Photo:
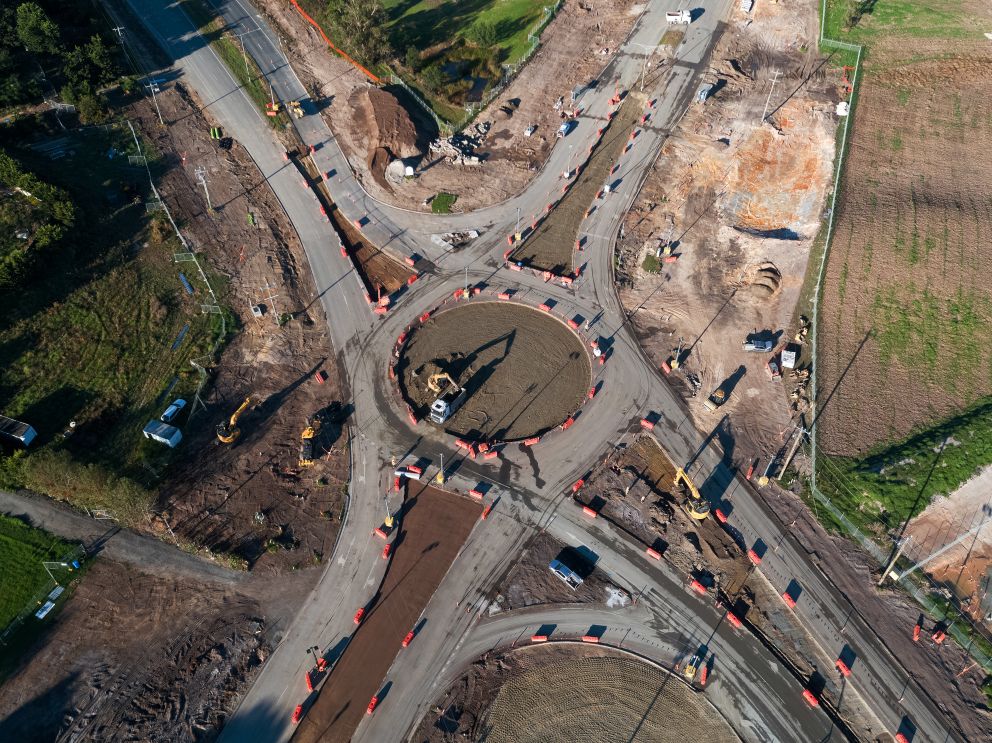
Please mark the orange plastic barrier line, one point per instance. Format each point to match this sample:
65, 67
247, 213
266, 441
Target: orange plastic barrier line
330, 43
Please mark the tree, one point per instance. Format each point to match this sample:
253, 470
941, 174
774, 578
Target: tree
434, 78
103, 63
362, 26
483, 33
413, 58
36, 30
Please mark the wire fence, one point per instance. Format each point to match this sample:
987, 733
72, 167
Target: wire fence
41, 595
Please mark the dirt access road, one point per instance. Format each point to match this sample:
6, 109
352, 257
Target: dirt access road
571, 53
432, 528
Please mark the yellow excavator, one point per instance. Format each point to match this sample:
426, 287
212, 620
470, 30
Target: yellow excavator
434, 381
691, 667
228, 431
306, 441
694, 504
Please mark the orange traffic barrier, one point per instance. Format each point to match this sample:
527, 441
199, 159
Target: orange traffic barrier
396, 484
475, 494
592, 392
590, 638
578, 484
358, 224
506, 253
515, 267
372, 705
392, 371
386, 550
665, 367
669, 259
753, 557
380, 310
652, 553
380, 532
401, 338
939, 636
413, 418
789, 601
720, 516
916, 633
509, 241
486, 512
532, 440
309, 681
568, 423
503, 295
566, 280
843, 667
490, 455
901, 738
415, 469
578, 244
461, 444
589, 512
810, 698
538, 638
703, 675
320, 376
323, 211
573, 324
344, 253
544, 307
459, 293
698, 587
412, 279
425, 317
549, 207
645, 423
734, 620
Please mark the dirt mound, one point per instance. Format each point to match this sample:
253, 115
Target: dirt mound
388, 123
963, 70
764, 281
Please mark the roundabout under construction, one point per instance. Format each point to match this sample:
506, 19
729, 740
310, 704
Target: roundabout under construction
508, 371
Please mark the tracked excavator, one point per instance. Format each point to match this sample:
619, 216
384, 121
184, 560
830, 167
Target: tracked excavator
228, 431
434, 381
307, 440
693, 503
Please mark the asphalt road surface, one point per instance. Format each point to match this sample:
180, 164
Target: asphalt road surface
749, 687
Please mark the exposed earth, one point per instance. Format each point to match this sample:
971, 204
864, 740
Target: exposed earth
525, 372
432, 528
558, 693
575, 48
738, 200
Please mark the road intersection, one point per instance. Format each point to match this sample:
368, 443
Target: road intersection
762, 701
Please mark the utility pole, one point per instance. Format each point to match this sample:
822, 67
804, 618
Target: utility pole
888, 568
201, 176
775, 75
119, 30
152, 85
516, 232
244, 54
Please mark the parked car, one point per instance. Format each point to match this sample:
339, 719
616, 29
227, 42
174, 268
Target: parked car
761, 346
173, 411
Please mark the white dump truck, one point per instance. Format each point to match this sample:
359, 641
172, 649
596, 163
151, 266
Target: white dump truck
678, 16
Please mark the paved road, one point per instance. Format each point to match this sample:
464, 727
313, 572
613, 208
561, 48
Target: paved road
631, 385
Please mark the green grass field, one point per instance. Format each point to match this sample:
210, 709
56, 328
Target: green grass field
947, 19
22, 550
92, 339
427, 23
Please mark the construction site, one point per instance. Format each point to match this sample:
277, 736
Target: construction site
714, 252
569, 693
522, 372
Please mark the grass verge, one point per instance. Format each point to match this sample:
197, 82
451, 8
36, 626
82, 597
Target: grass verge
245, 72
22, 575
443, 202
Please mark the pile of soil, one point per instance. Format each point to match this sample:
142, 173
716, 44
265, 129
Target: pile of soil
391, 132
525, 372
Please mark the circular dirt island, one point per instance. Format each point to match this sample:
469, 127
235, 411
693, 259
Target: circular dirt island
524, 372
562, 694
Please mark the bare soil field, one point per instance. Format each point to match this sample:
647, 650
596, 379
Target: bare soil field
575, 48
250, 499
135, 656
433, 526
738, 199
531, 583
525, 372
550, 246
906, 311
550, 693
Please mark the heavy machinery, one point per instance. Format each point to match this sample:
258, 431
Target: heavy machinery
447, 404
691, 667
228, 431
693, 503
307, 441
717, 398
433, 382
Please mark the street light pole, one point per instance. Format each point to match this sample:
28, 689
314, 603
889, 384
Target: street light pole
152, 85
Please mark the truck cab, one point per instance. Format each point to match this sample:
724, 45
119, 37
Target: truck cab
447, 404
